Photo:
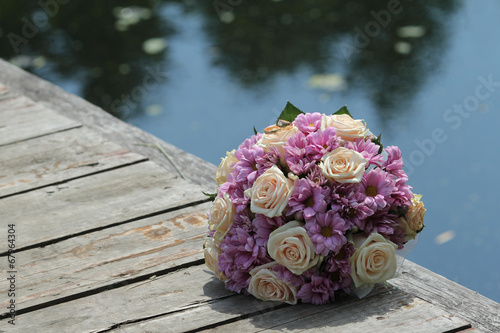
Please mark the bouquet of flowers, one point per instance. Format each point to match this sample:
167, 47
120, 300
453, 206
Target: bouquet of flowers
312, 207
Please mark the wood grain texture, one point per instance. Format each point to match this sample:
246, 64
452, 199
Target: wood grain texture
192, 298
20, 82
57, 157
94, 202
109, 256
391, 311
482, 312
6, 93
171, 293
18, 123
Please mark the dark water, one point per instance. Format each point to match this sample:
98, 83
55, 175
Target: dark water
201, 74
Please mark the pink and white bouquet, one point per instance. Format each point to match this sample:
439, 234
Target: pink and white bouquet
312, 207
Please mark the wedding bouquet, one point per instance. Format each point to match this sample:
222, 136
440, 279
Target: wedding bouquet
312, 207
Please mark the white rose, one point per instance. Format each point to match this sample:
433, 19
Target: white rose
343, 165
265, 285
290, 246
221, 217
212, 253
276, 136
270, 193
224, 168
374, 260
347, 128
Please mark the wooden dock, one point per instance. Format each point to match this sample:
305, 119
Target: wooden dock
109, 235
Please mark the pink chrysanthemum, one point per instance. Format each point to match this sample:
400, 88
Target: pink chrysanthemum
284, 274
401, 194
308, 122
318, 291
307, 200
263, 226
326, 232
394, 162
377, 187
250, 142
295, 151
385, 223
239, 254
246, 170
341, 281
321, 142
243, 221
267, 160
316, 177
368, 149
349, 201
237, 196
339, 262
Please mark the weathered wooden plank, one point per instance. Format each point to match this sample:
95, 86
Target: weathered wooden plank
94, 202
57, 157
192, 298
194, 168
203, 315
482, 312
170, 293
15, 101
22, 119
108, 256
4, 92
389, 312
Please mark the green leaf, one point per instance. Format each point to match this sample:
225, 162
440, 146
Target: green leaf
377, 142
255, 131
343, 110
289, 113
211, 196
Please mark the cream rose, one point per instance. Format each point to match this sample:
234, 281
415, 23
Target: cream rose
224, 168
290, 246
413, 221
212, 253
416, 213
221, 217
265, 285
347, 128
343, 165
276, 136
270, 193
374, 260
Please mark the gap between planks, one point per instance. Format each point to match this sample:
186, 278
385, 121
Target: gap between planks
191, 299
141, 278
124, 254
41, 135
57, 158
18, 123
20, 82
93, 203
62, 182
89, 231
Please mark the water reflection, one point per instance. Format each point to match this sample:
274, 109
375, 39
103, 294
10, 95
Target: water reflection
109, 48
386, 49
